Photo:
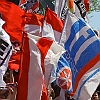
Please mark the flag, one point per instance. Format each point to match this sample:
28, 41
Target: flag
14, 25
14, 20
22, 2
78, 69
31, 6
87, 4
34, 23
53, 25
14, 61
81, 7
58, 6
38, 54
5, 52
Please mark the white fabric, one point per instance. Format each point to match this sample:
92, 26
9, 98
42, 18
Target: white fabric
5, 37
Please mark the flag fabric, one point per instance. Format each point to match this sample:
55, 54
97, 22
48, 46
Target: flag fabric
52, 26
87, 4
14, 20
14, 25
34, 24
31, 76
38, 54
5, 52
81, 7
58, 6
22, 2
30, 6
78, 69
15, 58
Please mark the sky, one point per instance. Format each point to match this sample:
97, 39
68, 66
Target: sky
94, 20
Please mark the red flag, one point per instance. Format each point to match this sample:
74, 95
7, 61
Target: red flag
14, 21
34, 23
52, 26
14, 25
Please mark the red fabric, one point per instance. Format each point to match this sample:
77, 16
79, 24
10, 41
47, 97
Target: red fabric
23, 75
44, 93
44, 45
51, 18
14, 20
14, 62
87, 4
22, 1
35, 19
36, 5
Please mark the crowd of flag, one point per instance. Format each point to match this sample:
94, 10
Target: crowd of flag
58, 46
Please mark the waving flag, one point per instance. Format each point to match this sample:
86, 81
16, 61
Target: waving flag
43, 52
14, 20
81, 7
53, 25
5, 52
34, 23
58, 6
78, 69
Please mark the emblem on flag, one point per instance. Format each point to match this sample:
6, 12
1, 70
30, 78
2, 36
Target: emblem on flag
64, 78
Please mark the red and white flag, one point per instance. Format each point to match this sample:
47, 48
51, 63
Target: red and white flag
38, 52
14, 25
53, 25
34, 24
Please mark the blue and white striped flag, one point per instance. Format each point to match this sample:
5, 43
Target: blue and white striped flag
78, 69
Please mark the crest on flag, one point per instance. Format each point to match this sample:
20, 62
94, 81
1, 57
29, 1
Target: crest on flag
64, 74
64, 80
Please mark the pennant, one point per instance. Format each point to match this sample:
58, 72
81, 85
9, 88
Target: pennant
34, 23
53, 26
5, 52
78, 69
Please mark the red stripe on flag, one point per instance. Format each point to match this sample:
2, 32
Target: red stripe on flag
44, 45
36, 5
23, 76
84, 70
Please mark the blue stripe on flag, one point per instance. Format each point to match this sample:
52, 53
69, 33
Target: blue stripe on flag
93, 74
76, 27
